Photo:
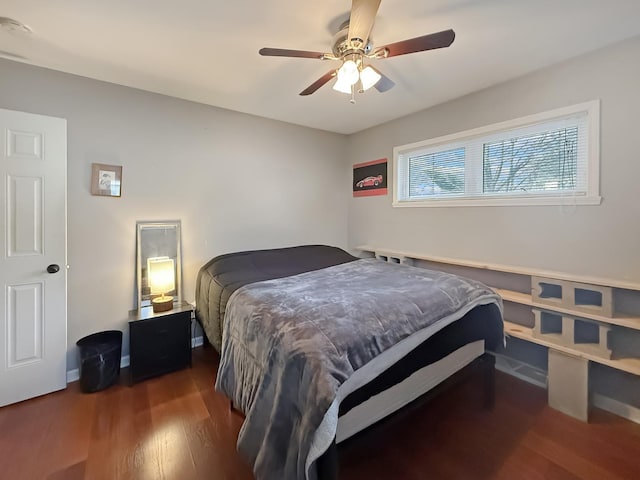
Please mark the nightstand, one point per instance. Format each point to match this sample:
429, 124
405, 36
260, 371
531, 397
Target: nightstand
159, 342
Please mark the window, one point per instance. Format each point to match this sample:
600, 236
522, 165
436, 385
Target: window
546, 159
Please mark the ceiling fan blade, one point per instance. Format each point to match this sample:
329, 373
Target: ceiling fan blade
318, 83
420, 44
363, 14
283, 52
385, 83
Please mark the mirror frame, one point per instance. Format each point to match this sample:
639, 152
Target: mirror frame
141, 226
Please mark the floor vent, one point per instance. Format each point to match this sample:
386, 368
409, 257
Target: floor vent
520, 370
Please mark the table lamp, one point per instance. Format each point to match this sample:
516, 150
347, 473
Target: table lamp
161, 278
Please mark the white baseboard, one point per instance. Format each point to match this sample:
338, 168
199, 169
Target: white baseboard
616, 407
537, 377
74, 375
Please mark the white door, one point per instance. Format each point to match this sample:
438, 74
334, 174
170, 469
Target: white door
33, 301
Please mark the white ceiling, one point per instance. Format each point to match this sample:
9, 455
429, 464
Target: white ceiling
207, 50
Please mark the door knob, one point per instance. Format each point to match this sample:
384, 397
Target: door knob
53, 268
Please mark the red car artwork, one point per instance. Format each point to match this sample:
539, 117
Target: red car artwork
369, 182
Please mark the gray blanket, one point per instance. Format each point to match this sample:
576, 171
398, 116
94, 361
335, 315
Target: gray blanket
290, 344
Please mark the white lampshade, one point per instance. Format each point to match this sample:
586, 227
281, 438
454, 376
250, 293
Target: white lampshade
348, 72
369, 77
342, 86
161, 275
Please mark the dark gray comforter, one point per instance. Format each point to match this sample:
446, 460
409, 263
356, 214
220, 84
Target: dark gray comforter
224, 274
293, 347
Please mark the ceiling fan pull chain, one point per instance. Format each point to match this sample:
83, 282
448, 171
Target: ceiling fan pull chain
352, 101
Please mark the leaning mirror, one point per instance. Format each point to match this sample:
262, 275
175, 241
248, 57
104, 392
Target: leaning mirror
158, 244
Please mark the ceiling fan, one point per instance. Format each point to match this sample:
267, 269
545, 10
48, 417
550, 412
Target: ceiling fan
352, 45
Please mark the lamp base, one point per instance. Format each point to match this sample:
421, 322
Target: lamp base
162, 304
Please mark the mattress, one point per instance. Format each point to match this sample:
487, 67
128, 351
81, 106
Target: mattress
483, 323
433, 361
391, 399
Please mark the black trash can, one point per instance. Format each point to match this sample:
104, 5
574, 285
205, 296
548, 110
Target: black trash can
99, 360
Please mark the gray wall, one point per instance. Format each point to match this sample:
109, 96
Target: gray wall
235, 181
599, 240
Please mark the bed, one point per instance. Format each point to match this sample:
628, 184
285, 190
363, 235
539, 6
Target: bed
317, 345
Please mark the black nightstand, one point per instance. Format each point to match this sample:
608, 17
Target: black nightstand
159, 342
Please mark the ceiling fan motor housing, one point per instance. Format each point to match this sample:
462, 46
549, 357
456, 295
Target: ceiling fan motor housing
341, 46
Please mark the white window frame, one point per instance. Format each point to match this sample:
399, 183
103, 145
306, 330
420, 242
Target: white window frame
490, 133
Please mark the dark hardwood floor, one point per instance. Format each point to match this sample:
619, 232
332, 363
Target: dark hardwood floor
177, 427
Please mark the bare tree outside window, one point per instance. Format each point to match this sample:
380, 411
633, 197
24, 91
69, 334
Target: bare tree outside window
546, 161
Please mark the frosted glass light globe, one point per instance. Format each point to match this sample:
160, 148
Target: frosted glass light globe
348, 72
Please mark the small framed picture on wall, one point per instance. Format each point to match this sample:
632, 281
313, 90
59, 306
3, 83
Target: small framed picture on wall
106, 180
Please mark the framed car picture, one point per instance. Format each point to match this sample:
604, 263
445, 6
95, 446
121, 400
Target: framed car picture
370, 178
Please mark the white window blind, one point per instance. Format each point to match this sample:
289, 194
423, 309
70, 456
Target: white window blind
543, 159
437, 173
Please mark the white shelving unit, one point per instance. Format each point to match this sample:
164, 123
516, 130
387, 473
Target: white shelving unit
579, 319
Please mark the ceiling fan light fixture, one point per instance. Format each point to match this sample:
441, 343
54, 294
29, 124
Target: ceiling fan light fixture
342, 86
352, 45
348, 72
369, 77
